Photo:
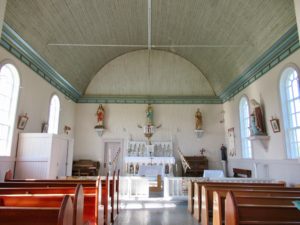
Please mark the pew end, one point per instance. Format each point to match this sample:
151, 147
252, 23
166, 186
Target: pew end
8, 175
231, 214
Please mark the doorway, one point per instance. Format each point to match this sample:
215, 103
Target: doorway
113, 155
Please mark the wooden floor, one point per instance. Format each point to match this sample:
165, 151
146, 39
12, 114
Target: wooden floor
155, 213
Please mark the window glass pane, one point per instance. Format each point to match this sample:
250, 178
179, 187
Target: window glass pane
4, 103
295, 88
4, 132
292, 120
9, 89
245, 132
298, 119
289, 93
291, 107
54, 115
2, 144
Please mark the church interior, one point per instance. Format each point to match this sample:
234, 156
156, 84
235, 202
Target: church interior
149, 112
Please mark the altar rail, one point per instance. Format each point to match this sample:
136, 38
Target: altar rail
134, 187
175, 188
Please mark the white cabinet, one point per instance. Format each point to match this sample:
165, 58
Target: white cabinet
43, 156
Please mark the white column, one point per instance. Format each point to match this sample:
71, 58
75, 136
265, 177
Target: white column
2, 13
297, 11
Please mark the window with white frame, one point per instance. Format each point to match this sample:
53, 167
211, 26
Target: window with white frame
244, 126
9, 91
54, 115
290, 101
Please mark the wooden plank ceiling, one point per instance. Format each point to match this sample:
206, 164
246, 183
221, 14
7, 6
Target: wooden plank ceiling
220, 37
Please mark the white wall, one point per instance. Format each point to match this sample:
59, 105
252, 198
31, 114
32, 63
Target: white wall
177, 122
266, 91
34, 99
143, 73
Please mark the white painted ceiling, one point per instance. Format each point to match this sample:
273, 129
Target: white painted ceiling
219, 37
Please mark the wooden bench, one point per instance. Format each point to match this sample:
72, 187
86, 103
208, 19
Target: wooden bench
63, 215
49, 200
219, 199
106, 200
91, 202
113, 193
113, 197
207, 196
118, 192
198, 195
236, 214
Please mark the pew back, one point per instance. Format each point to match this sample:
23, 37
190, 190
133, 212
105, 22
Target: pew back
236, 213
62, 215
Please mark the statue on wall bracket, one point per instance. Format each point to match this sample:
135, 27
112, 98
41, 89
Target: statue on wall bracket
257, 122
149, 129
198, 120
100, 117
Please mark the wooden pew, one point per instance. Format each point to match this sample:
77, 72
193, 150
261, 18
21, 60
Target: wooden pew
198, 196
91, 201
118, 192
48, 200
207, 196
106, 200
113, 197
69, 181
283, 196
236, 213
63, 215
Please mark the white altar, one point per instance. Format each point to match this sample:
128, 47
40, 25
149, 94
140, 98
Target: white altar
149, 160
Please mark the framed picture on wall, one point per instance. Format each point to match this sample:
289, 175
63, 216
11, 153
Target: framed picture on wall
22, 122
231, 142
275, 125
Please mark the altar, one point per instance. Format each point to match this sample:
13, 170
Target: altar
149, 160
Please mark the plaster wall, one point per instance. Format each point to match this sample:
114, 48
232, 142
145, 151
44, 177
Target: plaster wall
34, 99
177, 122
266, 91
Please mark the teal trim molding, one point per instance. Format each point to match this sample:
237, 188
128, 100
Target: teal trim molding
282, 48
13, 43
150, 99
279, 51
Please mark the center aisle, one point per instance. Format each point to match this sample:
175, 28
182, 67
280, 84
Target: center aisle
155, 213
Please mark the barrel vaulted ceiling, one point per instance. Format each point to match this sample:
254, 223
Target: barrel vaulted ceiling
221, 38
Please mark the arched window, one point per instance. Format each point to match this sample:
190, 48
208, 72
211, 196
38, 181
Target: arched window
54, 115
9, 91
244, 125
290, 101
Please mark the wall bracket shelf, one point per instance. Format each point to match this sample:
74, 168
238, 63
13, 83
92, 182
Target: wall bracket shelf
99, 131
199, 133
263, 139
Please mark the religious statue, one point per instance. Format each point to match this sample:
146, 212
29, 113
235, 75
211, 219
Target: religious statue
149, 115
223, 153
100, 117
198, 119
257, 123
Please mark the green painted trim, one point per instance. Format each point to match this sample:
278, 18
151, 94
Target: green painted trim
279, 51
13, 43
150, 99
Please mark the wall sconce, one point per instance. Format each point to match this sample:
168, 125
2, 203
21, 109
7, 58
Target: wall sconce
99, 131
